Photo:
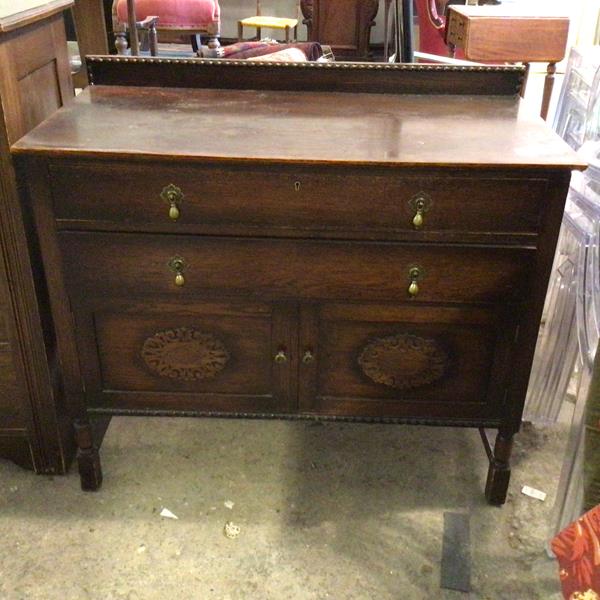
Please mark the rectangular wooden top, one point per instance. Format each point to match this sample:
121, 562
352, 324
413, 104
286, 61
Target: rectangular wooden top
507, 34
300, 127
18, 13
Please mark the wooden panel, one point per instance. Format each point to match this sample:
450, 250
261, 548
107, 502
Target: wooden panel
5, 315
37, 77
496, 34
345, 25
139, 265
91, 27
32, 48
36, 107
397, 361
326, 77
203, 356
338, 26
4, 285
122, 196
11, 390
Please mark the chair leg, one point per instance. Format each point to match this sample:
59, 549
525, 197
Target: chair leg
153, 39
121, 42
132, 23
214, 46
259, 33
196, 40
287, 34
548, 86
296, 33
240, 31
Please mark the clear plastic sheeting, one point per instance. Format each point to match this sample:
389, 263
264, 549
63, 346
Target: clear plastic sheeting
557, 347
565, 353
582, 221
571, 120
582, 216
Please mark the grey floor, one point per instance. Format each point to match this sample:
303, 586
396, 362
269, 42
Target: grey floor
340, 511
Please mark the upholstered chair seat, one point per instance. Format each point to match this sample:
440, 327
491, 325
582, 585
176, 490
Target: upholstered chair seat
190, 17
176, 14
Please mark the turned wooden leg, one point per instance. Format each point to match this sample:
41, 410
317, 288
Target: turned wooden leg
213, 43
548, 86
121, 42
153, 39
196, 40
88, 459
498, 477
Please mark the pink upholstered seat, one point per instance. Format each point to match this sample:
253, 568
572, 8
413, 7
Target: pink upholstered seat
176, 14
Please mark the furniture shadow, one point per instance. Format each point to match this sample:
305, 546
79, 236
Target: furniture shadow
349, 471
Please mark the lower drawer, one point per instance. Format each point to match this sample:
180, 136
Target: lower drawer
138, 265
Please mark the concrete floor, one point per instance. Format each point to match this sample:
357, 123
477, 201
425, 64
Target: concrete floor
340, 511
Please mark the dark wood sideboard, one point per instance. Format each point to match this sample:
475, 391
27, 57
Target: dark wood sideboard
35, 80
232, 246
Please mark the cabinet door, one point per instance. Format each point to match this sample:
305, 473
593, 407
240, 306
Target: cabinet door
409, 361
198, 355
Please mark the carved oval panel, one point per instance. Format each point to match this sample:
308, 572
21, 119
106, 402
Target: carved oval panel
185, 353
403, 361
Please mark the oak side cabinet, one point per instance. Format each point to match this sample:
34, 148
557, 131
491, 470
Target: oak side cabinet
35, 80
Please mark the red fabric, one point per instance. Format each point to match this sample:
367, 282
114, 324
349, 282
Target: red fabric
577, 548
174, 13
243, 50
432, 29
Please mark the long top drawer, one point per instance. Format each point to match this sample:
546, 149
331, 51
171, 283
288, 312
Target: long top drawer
375, 204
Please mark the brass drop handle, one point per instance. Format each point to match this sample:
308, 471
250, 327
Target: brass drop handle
308, 357
174, 197
177, 265
414, 274
419, 204
174, 212
419, 217
281, 357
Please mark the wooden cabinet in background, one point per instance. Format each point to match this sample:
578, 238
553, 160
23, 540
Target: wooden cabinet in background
35, 81
345, 25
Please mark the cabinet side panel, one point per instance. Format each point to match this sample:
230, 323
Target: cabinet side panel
34, 82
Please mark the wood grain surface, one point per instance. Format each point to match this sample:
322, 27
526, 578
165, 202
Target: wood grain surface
243, 126
90, 195
18, 13
507, 34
